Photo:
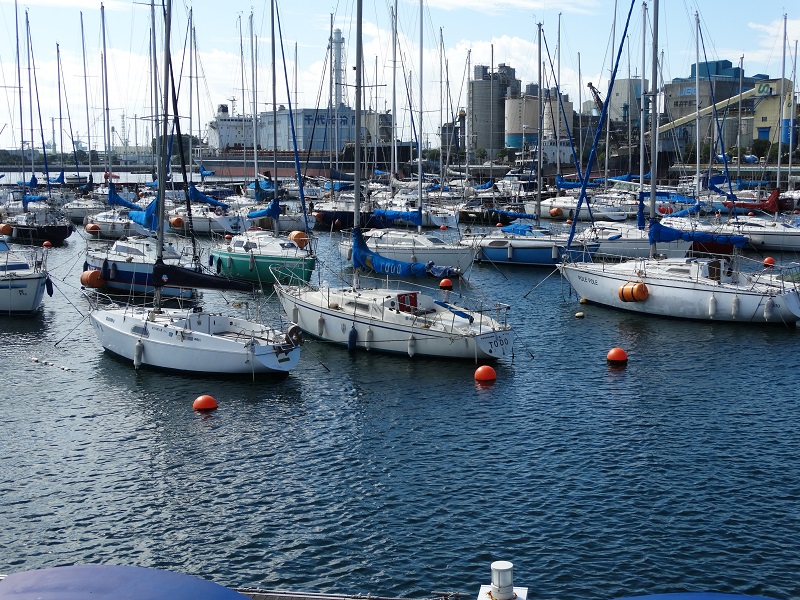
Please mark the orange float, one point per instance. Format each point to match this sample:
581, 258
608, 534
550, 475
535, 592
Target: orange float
556, 211
617, 356
204, 403
6, 229
485, 373
92, 279
93, 229
176, 222
633, 292
300, 238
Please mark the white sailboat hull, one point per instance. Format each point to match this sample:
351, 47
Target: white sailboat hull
677, 288
381, 323
21, 292
185, 341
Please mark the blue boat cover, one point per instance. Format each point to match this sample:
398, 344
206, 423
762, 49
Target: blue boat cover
514, 215
695, 596
662, 233
562, 184
338, 186
152, 184
111, 582
205, 172
484, 186
412, 216
196, 195
263, 184
380, 173
273, 210
28, 199
742, 184
147, 217
32, 183
366, 258
114, 199
518, 229
59, 179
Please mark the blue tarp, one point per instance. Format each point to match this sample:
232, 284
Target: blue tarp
514, 215
518, 229
484, 186
366, 258
272, 210
111, 582
571, 185
263, 184
28, 199
662, 233
412, 216
114, 199
147, 217
196, 195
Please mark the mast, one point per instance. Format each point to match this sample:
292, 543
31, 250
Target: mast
643, 102
191, 85
580, 114
394, 95
19, 90
739, 123
558, 95
255, 101
357, 149
791, 112
60, 116
539, 133
30, 91
86, 100
654, 123
419, 130
154, 77
608, 120
275, 111
162, 167
109, 141
783, 101
697, 101
330, 136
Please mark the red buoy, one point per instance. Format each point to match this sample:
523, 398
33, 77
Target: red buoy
204, 403
769, 262
617, 356
445, 284
443, 227
751, 214
228, 236
47, 244
485, 373
499, 224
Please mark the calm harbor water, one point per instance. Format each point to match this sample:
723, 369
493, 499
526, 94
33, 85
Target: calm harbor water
383, 475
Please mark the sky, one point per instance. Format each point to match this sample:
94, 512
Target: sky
455, 34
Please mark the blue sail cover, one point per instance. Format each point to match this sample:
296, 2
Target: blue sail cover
366, 258
265, 185
152, 184
484, 186
412, 216
205, 172
518, 229
562, 184
196, 195
662, 233
32, 183
272, 210
59, 179
514, 215
114, 199
742, 184
380, 173
28, 199
147, 217
338, 186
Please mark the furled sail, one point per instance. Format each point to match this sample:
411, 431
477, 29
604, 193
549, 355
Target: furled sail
114, 199
365, 258
662, 233
196, 195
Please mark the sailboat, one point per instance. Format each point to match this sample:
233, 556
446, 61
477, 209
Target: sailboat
711, 289
23, 281
402, 321
190, 339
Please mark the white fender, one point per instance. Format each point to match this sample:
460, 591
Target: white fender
412, 346
712, 306
138, 352
735, 307
320, 326
769, 308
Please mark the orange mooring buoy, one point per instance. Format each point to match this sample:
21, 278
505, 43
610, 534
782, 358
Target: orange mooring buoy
443, 227
769, 262
485, 373
617, 356
204, 402
445, 284
47, 244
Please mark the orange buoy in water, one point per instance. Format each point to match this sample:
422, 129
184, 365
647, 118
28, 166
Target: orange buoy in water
92, 279
300, 238
176, 222
556, 211
443, 227
228, 236
769, 262
499, 225
633, 292
47, 244
485, 373
617, 356
204, 402
666, 210
6, 229
93, 228
445, 284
